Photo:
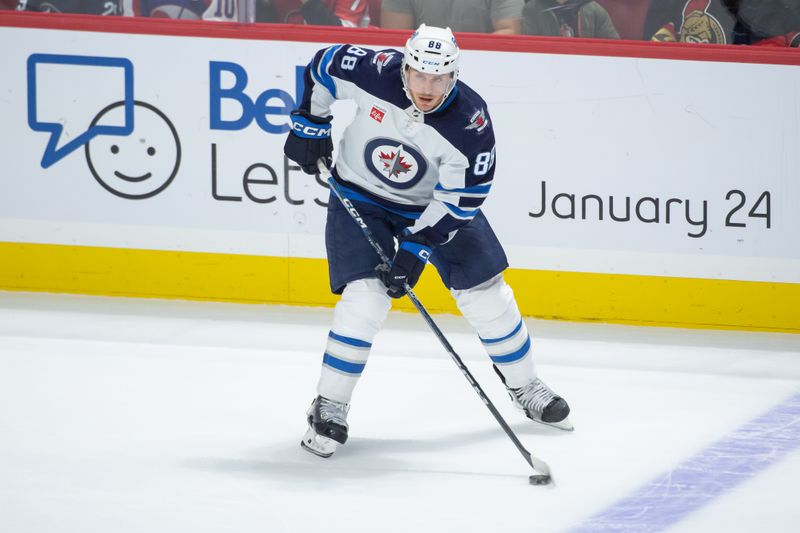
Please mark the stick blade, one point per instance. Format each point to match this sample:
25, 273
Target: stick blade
540, 466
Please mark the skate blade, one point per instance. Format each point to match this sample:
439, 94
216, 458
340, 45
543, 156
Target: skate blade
317, 444
564, 425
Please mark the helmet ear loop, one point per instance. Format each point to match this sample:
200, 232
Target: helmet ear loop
450, 86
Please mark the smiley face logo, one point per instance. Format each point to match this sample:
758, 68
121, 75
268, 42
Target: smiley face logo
139, 165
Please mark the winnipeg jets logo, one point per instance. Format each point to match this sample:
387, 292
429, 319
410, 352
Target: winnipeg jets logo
478, 121
396, 164
381, 59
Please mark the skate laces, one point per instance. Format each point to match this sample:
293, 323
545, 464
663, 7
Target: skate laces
333, 412
534, 396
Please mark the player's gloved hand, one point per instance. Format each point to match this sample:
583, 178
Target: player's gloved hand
407, 266
309, 140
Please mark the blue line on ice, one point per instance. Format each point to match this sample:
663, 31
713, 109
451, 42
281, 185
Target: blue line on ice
696, 482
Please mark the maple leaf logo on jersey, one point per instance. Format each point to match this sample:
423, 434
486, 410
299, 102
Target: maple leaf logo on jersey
478, 121
381, 59
394, 162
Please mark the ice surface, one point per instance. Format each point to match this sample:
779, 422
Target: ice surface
123, 415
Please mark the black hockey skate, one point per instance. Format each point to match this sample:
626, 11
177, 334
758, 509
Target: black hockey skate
327, 426
539, 403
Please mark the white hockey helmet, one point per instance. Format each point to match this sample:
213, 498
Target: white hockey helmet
432, 50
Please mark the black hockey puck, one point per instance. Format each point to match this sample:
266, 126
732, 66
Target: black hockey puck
539, 479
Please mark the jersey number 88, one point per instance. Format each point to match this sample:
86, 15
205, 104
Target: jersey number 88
349, 61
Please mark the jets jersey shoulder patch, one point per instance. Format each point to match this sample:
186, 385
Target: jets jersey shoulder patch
478, 121
381, 59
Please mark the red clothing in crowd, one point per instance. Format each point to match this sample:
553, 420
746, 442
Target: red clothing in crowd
351, 13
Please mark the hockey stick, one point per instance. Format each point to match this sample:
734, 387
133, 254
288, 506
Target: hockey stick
543, 476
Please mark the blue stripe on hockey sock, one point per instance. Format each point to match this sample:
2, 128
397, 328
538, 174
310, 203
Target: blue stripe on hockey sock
513, 356
501, 339
344, 366
349, 340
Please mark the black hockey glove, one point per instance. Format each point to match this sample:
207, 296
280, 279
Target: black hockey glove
407, 266
309, 140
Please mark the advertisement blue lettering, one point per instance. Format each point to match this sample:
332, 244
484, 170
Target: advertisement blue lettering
262, 107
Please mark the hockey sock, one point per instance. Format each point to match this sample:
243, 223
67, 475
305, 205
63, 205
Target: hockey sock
491, 309
357, 318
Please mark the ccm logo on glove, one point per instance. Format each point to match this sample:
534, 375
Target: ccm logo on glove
309, 141
304, 130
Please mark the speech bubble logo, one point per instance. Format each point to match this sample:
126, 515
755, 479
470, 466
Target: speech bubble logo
65, 92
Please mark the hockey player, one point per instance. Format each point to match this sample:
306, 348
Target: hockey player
417, 162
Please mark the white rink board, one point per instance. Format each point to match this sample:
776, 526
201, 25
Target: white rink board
688, 137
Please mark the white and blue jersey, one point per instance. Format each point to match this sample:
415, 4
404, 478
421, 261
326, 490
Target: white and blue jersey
436, 168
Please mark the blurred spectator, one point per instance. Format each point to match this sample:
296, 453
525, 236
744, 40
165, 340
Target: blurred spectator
763, 22
350, 13
567, 18
690, 21
6, 5
374, 7
628, 16
768, 22
83, 7
223, 10
480, 16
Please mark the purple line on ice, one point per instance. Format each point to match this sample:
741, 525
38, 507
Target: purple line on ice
696, 482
